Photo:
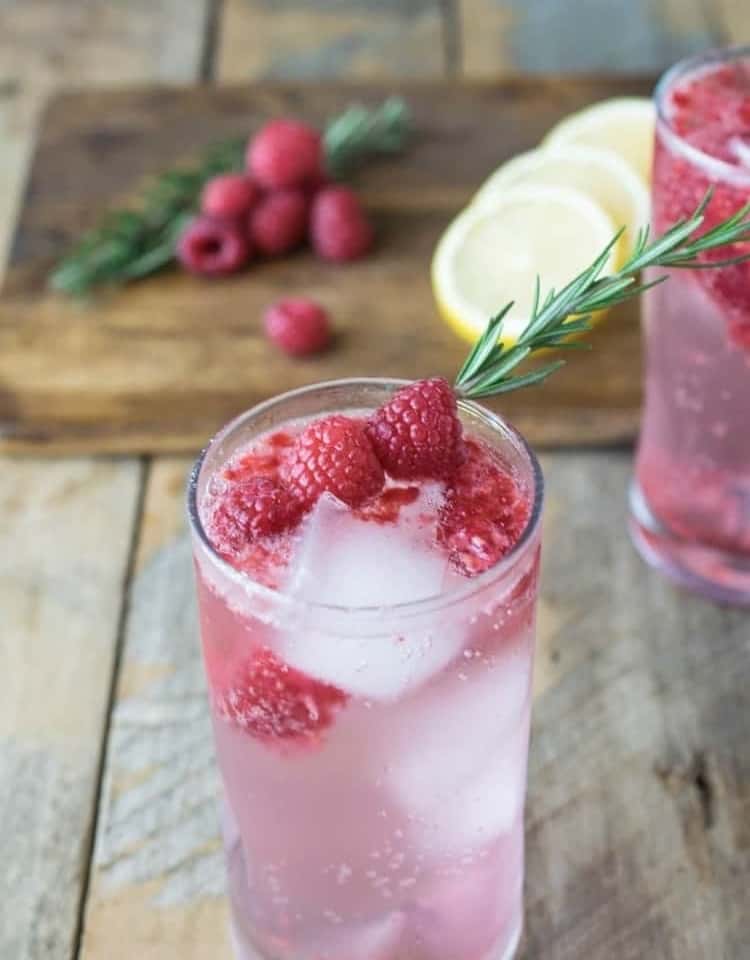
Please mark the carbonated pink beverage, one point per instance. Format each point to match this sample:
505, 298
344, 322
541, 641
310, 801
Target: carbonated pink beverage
690, 503
369, 670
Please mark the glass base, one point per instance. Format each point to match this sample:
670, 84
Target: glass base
717, 574
245, 951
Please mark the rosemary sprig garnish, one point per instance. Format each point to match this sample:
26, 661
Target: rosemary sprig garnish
489, 367
134, 242
358, 133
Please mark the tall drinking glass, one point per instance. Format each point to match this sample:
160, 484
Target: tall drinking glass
398, 833
690, 499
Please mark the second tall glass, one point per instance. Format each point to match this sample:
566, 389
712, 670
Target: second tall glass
690, 501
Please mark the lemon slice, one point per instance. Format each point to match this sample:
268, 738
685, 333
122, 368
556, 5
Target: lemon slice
623, 124
601, 174
492, 254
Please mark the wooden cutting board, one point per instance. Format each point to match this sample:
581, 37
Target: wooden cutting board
158, 366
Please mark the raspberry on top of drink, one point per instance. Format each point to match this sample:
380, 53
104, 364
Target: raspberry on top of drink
390, 507
707, 110
411, 450
710, 109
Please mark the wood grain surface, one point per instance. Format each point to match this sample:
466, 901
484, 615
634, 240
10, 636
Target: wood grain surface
639, 784
640, 770
158, 874
587, 35
352, 39
66, 528
638, 837
160, 365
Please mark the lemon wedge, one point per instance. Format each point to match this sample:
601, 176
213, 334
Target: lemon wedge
623, 124
492, 253
601, 174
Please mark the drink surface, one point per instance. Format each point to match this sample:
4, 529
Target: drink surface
693, 465
374, 770
708, 110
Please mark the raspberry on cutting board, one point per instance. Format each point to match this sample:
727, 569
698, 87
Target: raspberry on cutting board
229, 196
339, 228
210, 247
278, 223
298, 325
285, 153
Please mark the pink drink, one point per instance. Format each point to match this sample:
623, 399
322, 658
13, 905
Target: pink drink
691, 498
370, 680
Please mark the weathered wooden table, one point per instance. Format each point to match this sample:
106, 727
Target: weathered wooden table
639, 812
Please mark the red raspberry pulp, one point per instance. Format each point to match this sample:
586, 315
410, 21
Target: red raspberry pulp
270, 700
710, 110
476, 517
250, 509
484, 513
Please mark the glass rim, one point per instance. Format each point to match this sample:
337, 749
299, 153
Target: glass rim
426, 605
714, 165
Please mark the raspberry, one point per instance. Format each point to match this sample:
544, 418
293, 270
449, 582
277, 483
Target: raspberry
484, 513
417, 434
333, 454
313, 186
279, 223
249, 509
228, 196
285, 153
339, 229
213, 248
739, 333
273, 701
298, 325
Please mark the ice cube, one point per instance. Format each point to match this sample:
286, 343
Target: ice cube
376, 939
470, 911
457, 759
348, 562
483, 808
345, 561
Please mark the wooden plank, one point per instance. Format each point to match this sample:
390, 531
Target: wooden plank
159, 366
637, 828
66, 527
298, 39
640, 765
14, 158
66, 533
158, 878
642, 35
732, 18
45, 45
